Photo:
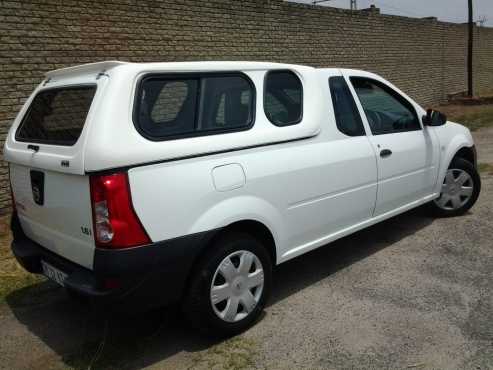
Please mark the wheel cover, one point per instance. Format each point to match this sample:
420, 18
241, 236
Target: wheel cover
457, 189
237, 286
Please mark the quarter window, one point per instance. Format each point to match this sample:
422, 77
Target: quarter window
283, 98
387, 111
348, 120
196, 105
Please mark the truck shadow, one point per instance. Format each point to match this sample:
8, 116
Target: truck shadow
77, 333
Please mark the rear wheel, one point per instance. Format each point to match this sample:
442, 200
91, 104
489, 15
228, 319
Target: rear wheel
460, 189
228, 289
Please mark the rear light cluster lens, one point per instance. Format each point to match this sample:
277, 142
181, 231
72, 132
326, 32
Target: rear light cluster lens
115, 223
104, 231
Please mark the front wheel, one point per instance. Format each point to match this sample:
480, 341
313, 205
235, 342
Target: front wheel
228, 289
460, 190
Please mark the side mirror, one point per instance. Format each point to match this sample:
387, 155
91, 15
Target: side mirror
434, 118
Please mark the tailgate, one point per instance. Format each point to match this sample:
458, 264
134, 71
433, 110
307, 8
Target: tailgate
54, 210
45, 151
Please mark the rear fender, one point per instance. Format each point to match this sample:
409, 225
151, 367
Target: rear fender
241, 208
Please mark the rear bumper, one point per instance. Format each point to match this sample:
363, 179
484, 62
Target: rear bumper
134, 278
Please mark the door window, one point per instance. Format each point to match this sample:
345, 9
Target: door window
387, 111
348, 120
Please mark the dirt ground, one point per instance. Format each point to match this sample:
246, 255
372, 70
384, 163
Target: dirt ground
411, 293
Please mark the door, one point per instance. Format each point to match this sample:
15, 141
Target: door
339, 178
407, 153
327, 185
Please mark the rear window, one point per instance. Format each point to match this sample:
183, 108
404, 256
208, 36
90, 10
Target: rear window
170, 107
56, 116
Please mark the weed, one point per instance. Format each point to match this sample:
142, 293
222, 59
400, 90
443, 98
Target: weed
234, 354
474, 117
485, 168
12, 276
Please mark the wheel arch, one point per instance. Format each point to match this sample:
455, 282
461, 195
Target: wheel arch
256, 229
253, 227
460, 145
468, 153
252, 214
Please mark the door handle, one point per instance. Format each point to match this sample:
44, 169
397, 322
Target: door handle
385, 153
34, 148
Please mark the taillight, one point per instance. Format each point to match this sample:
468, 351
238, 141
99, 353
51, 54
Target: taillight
115, 223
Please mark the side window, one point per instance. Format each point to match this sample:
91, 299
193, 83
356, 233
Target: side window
170, 101
283, 98
226, 103
194, 105
387, 112
348, 120
277, 111
167, 107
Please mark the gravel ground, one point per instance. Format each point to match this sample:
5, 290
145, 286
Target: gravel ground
411, 293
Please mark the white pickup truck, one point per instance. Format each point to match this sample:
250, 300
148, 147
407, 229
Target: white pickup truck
141, 185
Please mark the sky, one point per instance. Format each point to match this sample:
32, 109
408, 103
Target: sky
445, 10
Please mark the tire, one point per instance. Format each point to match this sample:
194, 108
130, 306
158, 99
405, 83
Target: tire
457, 199
224, 258
76, 297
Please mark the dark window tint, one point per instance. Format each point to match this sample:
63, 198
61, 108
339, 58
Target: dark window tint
168, 107
226, 102
346, 113
171, 100
283, 98
56, 116
386, 110
195, 105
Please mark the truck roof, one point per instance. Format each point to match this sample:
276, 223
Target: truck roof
101, 67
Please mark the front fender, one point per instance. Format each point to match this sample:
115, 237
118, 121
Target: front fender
452, 137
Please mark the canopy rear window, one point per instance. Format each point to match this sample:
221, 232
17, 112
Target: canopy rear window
56, 116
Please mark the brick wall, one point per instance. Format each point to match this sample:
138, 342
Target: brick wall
424, 57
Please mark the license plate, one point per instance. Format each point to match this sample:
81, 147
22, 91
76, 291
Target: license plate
53, 273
